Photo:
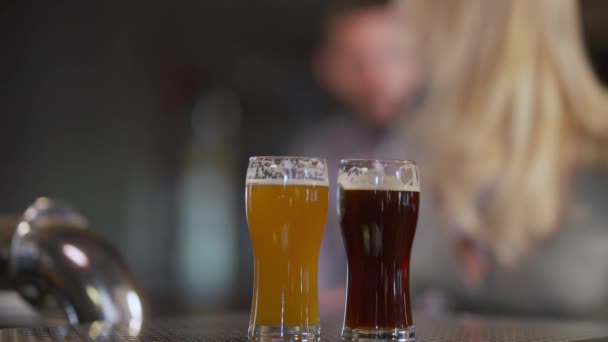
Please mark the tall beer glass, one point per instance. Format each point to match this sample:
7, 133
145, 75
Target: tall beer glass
378, 210
287, 200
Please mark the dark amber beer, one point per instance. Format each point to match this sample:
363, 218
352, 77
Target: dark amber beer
378, 206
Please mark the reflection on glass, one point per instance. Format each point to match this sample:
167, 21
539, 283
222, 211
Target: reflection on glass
93, 294
75, 255
23, 228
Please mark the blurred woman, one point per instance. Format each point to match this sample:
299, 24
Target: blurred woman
515, 127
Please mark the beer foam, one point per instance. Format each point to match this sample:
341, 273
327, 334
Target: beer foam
287, 171
281, 181
386, 183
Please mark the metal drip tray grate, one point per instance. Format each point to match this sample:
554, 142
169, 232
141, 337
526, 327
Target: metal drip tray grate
233, 328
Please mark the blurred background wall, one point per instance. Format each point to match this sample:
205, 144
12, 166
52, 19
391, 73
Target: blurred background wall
143, 113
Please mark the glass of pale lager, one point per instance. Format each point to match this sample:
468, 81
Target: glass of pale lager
286, 200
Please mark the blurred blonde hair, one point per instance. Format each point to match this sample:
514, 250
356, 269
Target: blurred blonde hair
513, 109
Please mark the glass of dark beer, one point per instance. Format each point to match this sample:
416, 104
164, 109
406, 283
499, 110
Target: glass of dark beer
378, 211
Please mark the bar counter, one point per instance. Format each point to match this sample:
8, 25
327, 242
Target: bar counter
233, 328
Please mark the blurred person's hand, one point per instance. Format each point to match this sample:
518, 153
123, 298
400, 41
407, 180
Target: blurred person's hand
473, 263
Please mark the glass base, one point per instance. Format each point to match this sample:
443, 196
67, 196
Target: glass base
369, 335
269, 333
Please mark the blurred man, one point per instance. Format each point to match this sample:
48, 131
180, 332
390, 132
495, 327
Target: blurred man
367, 61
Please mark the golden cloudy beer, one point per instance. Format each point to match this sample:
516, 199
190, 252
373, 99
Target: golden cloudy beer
286, 218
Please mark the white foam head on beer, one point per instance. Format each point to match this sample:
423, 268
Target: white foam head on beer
287, 181
373, 182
